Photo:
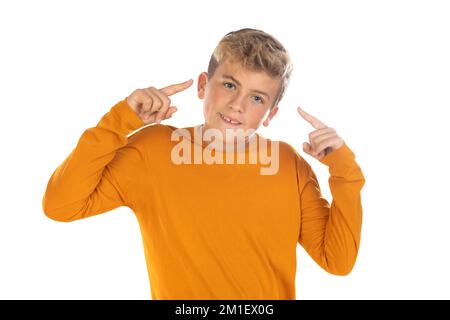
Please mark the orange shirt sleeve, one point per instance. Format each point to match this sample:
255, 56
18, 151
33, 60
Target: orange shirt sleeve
102, 171
331, 234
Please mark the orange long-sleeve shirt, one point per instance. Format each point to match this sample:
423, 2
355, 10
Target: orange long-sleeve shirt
220, 231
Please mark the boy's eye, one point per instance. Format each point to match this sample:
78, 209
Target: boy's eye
225, 83
260, 100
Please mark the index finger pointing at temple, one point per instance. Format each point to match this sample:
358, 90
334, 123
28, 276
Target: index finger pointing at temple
316, 123
174, 88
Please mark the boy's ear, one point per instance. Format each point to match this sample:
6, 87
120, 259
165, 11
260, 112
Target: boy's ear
271, 114
202, 80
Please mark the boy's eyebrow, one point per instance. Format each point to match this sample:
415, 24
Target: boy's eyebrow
235, 80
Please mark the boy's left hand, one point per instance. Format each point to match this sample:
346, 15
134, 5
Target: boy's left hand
322, 141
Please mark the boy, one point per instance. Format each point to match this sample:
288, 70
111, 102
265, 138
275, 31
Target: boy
221, 230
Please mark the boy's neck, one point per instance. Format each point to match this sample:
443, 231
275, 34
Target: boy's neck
238, 143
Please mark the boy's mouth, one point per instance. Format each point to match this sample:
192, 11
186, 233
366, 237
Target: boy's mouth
229, 120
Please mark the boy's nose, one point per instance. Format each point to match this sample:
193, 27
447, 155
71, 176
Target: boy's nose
237, 105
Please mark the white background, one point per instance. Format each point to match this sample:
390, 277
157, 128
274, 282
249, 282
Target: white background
376, 71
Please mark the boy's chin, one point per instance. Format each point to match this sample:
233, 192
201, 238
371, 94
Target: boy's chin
223, 127
230, 133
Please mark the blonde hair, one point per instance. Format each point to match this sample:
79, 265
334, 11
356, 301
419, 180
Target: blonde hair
255, 50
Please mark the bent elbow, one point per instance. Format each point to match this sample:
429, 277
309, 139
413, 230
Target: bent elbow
341, 270
55, 215
56, 218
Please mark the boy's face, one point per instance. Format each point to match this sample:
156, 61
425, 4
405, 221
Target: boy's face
240, 94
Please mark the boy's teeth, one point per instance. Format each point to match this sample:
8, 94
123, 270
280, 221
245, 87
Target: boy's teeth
229, 120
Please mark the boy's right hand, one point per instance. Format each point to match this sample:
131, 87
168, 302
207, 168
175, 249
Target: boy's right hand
153, 105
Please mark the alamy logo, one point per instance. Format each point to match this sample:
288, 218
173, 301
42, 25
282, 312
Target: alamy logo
237, 139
